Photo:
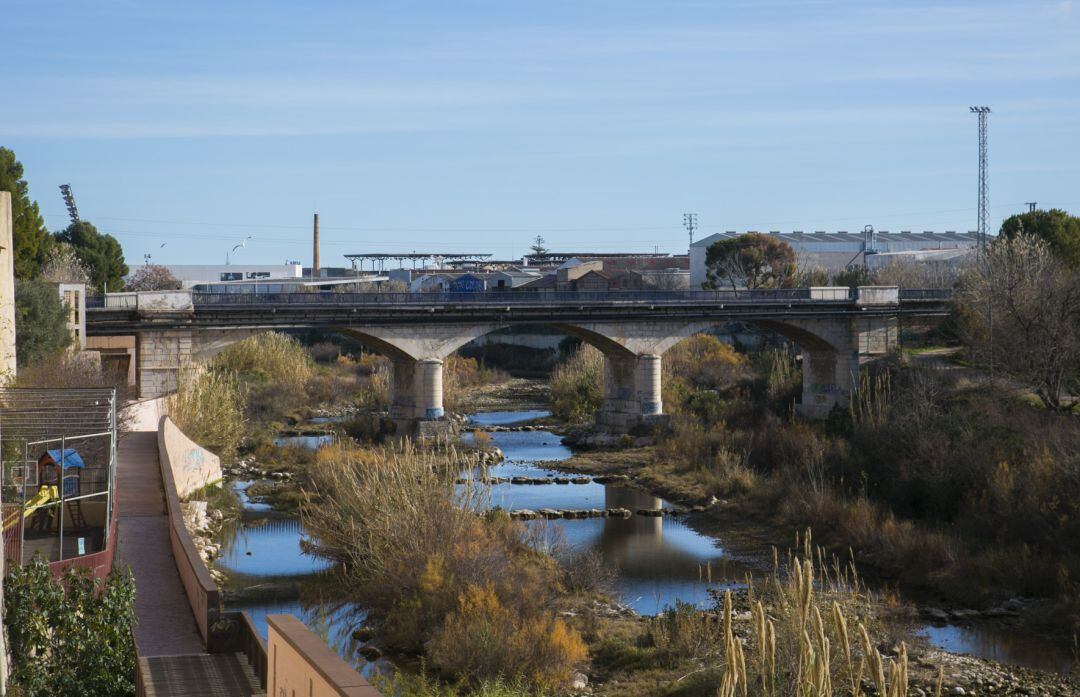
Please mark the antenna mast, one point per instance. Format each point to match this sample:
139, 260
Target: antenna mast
984, 194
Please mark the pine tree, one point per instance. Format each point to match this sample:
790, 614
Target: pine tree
30, 238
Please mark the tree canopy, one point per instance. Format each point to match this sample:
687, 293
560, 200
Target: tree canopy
1018, 309
1059, 229
30, 238
100, 254
152, 277
751, 260
70, 636
40, 321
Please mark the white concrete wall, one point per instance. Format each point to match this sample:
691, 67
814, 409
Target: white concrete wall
697, 267
193, 467
7, 290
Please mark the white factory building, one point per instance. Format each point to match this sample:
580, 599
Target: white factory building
835, 251
192, 274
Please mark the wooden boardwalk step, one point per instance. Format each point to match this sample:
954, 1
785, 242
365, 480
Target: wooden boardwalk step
207, 675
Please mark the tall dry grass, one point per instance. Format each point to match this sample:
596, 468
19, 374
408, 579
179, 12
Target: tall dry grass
807, 629
440, 575
269, 357
577, 385
208, 406
462, 375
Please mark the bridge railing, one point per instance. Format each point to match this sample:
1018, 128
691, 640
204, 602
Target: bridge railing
503, 297
546, 297
926, 293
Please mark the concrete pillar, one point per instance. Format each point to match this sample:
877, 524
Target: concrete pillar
402, 384
632, 390
416, 390
429, 389
620, 393
7, 289
827, 381
649, 385
160, 355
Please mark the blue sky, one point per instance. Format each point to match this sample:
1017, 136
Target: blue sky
473, 126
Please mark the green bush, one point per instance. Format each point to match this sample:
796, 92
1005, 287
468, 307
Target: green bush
41, 327
75, 642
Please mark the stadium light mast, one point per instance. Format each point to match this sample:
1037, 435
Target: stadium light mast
69, 201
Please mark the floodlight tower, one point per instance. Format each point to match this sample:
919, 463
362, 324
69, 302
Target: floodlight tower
69, 201
984, 195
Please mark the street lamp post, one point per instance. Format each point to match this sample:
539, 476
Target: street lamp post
239, 246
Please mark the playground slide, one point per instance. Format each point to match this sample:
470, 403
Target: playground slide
43, 496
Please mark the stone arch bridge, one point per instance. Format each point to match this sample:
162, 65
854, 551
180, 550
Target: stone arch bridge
836, 330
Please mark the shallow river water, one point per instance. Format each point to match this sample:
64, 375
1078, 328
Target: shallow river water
657, 559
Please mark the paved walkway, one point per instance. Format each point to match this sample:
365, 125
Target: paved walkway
166, 625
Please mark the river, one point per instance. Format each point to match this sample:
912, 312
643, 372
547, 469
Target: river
656, 559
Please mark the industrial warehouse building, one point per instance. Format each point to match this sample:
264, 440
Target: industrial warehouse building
836, 251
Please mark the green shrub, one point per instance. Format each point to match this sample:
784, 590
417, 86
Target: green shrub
67, 638
41, 317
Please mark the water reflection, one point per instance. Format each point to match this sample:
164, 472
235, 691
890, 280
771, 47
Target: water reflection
267, 546
312, 441
657, 559
333, 622
506, 418
997, 642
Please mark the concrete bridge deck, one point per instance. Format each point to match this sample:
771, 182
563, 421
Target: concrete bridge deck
127, 311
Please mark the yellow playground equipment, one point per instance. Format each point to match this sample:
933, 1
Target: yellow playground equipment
43, 496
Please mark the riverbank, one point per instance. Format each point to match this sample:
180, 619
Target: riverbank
660, 557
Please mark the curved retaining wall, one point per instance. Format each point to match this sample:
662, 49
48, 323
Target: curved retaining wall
192, 467
202, 592
305, 659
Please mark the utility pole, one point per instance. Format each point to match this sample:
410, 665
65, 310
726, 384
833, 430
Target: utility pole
689, 221
315, 249
1031, 206
984, 195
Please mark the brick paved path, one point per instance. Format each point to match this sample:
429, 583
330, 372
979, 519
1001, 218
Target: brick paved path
166, 625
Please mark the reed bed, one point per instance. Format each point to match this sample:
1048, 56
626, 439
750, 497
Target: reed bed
269, 357
577, 385
208, 406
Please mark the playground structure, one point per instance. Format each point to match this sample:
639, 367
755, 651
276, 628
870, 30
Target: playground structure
57, 480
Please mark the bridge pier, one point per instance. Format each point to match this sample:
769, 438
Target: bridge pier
416, 393
827, 378
830, 370
632, 391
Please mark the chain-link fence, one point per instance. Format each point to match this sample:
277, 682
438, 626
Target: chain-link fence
58, 476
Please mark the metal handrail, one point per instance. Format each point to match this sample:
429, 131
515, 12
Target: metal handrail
507, 297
